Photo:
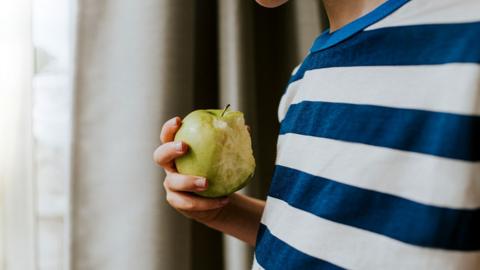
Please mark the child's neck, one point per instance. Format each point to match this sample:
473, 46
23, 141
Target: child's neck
342, 12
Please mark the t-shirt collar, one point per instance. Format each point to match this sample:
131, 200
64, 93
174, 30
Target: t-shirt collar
327, 39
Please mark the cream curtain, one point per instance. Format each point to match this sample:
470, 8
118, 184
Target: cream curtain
139, 63
17, 207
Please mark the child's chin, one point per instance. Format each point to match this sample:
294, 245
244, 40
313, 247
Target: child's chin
271, 3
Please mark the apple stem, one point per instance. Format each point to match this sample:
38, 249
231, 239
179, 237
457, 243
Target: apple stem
225, 110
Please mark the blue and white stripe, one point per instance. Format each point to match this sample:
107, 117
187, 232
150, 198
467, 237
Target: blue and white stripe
378, 157
317, 240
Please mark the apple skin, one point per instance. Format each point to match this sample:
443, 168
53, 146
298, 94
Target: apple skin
220, 149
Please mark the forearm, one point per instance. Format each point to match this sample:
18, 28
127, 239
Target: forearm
240, 218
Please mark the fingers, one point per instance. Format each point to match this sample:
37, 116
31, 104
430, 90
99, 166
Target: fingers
189, 202
179, 186
166, 153
169, 129
180, 182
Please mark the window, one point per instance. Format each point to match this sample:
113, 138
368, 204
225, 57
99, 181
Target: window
52, 107
36, 38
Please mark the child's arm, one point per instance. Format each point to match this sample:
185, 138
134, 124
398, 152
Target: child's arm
240, 218
237, 215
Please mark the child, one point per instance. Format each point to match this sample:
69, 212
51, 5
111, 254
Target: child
378, 163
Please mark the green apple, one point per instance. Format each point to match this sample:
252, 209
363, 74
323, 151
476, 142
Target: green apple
220, 149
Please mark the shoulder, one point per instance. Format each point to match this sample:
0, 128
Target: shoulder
423, 12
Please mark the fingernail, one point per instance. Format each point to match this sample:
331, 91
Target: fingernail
179, 146
224, 201
201, 182
174, 121
178, 121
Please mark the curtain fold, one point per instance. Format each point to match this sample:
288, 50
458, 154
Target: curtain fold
17, 186
236, 87
139, 63
134, 70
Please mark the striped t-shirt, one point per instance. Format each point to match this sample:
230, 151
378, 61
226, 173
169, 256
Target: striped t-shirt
378, 157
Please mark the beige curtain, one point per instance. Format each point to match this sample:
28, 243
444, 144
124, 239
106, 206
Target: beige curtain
139, 63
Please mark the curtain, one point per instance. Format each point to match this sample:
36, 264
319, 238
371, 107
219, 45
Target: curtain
139, 63
17, 207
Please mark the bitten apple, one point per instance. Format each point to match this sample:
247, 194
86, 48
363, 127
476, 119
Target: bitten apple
220, 149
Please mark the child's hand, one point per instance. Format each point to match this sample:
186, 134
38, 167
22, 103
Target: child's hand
179, 187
